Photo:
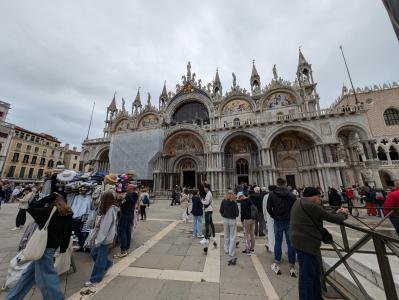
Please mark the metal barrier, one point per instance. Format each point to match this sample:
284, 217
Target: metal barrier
381, 242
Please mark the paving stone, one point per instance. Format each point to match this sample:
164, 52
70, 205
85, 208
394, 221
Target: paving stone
204, 291
193, 263
175, 290
179, 250
170, 262
159, 248
227, 296
148, 260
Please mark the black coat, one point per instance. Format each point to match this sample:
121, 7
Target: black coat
229, 209
197, 207
279, 203
257, 199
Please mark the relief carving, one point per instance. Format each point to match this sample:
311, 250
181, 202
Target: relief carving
279, 100
183, 143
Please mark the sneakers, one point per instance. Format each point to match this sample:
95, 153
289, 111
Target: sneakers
276, 268
121, 255
293, 272
204, 241
15, 228
88, 283
232, 262
201, 236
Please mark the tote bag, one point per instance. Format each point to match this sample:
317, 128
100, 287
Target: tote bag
37, 243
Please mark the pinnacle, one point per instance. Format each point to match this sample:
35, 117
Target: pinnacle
302, 59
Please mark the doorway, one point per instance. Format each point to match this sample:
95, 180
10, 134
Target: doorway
290, 181
189, 179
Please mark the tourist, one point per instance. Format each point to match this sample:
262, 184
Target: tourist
379, 200
334, 199
104, 238
229, 212
16, 191
306, 225
144, 200
184, 205
175, 196
197, 212
270, 223
207, 202
392, 204
370, 199
23, 206
248, 222
279, 206
257, 199
127, 208
42, 271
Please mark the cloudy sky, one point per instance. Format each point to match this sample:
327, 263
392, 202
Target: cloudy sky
57, 57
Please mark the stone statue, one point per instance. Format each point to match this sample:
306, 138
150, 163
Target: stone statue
199, 84
149, 99
123, 104
234, 79
208, 87
275, 72
188, 70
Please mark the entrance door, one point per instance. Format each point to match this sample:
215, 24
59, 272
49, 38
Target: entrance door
243, 179
189, 178
290, 180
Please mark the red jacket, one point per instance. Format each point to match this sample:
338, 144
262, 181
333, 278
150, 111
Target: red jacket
391, 201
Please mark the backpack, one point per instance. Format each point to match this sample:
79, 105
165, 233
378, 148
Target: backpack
254, 212
379, 196
146, 201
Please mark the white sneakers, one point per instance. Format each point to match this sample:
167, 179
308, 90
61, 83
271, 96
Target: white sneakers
276, 268
15, 228
204, 241
293, 272
88, 284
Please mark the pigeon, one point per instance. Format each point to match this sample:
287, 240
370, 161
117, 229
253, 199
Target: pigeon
205, 250
215, 245
237, 243
232, 262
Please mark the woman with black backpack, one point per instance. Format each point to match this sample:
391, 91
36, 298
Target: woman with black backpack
144, 203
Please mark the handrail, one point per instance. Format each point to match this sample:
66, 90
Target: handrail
380, 241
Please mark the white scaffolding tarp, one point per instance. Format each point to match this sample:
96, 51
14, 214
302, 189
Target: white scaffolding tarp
134, 151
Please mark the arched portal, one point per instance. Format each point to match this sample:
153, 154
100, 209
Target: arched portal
241, 160
187, 169
386, 179
103, 161
293, 154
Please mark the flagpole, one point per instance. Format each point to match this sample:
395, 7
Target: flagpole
349, 74
91, 118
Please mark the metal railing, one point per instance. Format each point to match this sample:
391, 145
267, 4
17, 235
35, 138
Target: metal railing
381, 242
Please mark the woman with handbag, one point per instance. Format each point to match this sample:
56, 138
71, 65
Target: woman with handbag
42, 271
103, 238
184, 205
24, 201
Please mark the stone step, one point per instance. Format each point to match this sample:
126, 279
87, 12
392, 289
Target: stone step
367, 266
342, 277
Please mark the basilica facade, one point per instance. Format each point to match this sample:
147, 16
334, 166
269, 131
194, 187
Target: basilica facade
204, 132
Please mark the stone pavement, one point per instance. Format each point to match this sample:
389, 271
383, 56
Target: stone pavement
167, 263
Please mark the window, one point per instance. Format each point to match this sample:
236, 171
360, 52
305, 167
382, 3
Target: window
47, 144
15, 158
21, 135
30, 174
11, 171
50, 163
42, 161
22, 172
236, 122
44, 151
19, 146
32, 138
381, 154
36, 149
74, 166
34, 158
26, 159
76, 157
28, 148
391, 117
242, 167
52, 152
191, 111
40, 173
393, 153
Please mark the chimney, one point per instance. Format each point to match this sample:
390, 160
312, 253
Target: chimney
66, 147
74, 148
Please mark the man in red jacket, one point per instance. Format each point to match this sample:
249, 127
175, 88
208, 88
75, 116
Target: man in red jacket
392, 203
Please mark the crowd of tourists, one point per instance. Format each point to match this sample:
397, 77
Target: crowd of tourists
281, 211
90, 212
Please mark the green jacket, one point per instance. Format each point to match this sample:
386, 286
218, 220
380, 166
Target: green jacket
304, 234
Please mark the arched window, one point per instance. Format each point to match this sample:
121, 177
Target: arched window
242, 167
391, 117
237, 122
50, 163
191, 112
381, 154
393, 153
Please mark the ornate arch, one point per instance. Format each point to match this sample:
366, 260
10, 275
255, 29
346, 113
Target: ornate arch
199, 132
292, 96
145, 120
253, 137
302, 129
183, 142
351, 126
174, 162
118, 121
187, 97
101, 151
237, 98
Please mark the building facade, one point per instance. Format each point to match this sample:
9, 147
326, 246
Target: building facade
71, 158
273, 130
30, 155
383, 119
6, 132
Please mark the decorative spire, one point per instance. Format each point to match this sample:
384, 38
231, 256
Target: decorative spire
137, 100
255, 79
164, 91
217, 84
301, 59
112, 106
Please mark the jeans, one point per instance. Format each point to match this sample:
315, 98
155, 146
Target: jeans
249, 234
142, 212
280, 227
260, 224
209, 221
230, 230
77, 225
395, 223
379, 205
21, 218
309, 276
125, 231
43, 273
197, 226
101, 262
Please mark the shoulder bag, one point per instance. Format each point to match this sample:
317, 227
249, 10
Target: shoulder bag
326, 237
37, 243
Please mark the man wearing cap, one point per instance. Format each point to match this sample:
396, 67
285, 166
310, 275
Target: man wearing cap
307, 216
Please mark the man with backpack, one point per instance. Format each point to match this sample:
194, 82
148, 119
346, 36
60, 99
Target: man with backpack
279, 204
